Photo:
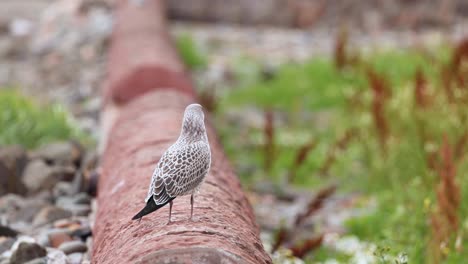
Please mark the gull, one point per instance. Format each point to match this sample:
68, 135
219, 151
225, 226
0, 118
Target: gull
183, 167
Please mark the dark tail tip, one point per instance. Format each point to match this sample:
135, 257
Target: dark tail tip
150, 207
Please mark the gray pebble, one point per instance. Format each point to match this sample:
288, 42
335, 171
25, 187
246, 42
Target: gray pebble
27, 251
79, 199
61, 153
6, 243
62, 188
75, 258
37, 261
49, 214
55, 256
43, 239
64, 201
82, 198
73, 247
6, 231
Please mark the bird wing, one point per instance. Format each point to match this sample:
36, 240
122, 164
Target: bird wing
179, 171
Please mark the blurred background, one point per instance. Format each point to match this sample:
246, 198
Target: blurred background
345, 120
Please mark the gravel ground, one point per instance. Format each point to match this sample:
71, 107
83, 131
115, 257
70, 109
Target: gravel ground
47, 204
278, 45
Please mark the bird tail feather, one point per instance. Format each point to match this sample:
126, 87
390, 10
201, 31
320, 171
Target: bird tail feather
150, 207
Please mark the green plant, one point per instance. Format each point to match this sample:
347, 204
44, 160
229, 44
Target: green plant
398, 107
190, 53
25, 122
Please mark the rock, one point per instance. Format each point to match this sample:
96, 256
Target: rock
92, 107
4, 25
17, 209
80, 209
49, 214
82, 198
65, 223
55, 256
6, 45
71, 225
88, 169
77, 185
20, 27
19, 240
13, 159
57, 238
79, 199
67, 25
78, 205
64, 202
21, 226
60, 153
43, 238
27, 212
10, 201
90, 161
6, 243
83, 233
27, 251
73, 247
47, 235
75, 258
44, 196
40, 176
36, 173
37, 261
63, 188
308, 13
86, 258
14, 48
6, 231
91, 186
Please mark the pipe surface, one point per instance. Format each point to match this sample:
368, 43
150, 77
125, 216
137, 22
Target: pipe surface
142, 117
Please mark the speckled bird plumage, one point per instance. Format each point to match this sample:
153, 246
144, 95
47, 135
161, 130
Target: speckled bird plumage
183, 167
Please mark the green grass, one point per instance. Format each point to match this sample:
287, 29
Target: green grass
323, 254
313, 86
315, 101
191, 54
24, 122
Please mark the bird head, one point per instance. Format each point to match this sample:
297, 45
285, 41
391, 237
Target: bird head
193, 125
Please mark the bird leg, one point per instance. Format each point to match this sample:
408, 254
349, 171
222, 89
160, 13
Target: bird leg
170, 212
191, 209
